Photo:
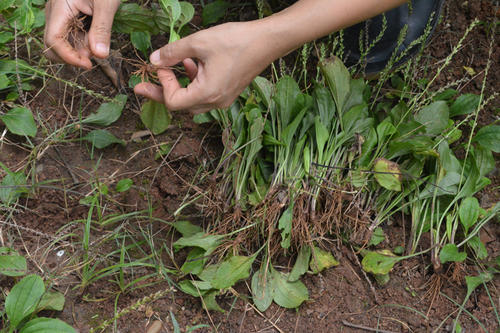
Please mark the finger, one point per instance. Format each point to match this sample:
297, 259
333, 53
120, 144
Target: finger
191, 68
59, 19
49, 54
174, 53
149, 90
100, 29
176, 97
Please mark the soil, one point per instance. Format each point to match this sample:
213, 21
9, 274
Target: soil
341, 299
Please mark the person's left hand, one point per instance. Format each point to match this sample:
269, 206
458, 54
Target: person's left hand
77, 49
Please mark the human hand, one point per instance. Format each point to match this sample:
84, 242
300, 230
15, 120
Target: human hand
228, 57
78, 47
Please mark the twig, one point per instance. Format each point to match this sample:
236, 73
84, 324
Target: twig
361, 327
366, 277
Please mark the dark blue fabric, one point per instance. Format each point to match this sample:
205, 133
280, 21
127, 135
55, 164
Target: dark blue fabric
417, 19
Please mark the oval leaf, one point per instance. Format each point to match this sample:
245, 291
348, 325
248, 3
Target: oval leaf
321, 260
47, 325
155, 117
102, 138
20, 121
489, 137
124, 185
388, 174
449, 252
434, 117
377, 263
464, 104
288, 294
107, 113
23, 299
53, 301
231, 271
468, 212
262, 289
11, 263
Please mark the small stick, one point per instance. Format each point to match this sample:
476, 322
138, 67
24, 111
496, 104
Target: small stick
366, 277
361, 327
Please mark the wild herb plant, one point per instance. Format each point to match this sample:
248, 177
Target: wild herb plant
27, 298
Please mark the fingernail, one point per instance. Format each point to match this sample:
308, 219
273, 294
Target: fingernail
102, 48
155, 58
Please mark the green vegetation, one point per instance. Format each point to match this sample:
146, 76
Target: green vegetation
306, 158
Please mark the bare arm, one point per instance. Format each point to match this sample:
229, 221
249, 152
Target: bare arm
229, 56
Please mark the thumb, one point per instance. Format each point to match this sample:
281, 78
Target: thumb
100, 30
175, 52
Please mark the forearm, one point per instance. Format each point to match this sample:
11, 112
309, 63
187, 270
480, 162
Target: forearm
308, 20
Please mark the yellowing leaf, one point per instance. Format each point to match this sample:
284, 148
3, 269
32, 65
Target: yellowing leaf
388, 174
470, 70
321, 260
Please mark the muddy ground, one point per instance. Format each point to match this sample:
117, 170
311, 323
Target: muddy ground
342, 299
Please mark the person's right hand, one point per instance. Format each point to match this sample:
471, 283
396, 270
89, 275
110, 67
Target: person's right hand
58, 39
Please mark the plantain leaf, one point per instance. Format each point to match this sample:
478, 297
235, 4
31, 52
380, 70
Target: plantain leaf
468, 212
11, 263
388, 174
449, 252
321, 259
301, 264
23, 299
102, 138
489, 137
20, 121
231, 271
288, 294
434, 117
262, 288
47, 325
155, 117
107, 113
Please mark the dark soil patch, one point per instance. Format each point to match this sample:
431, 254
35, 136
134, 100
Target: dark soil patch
341, 299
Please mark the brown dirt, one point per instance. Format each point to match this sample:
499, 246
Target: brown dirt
340, 298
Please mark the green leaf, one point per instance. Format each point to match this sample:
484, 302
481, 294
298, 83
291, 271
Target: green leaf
473, 282
23, 299
47, 325
200, 239
132, 17
285, 225
20, 121
210, 303
214, 11
379, 263
11, 186
449, 252
464, 104
102, 138
264, 88
434, 117
484, 160
288, 294
53, 301
107, 113
141, 40
262, 288
155, 117
468, 212
287, 91
475, 244
187, 13
186, 228
124, 185
195, 288
11, 263
321, 259
195, 261
378, 237
489, 137
338, 80
231, 271
5, 4
301, 264
172, 8
175, 323
388, 174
